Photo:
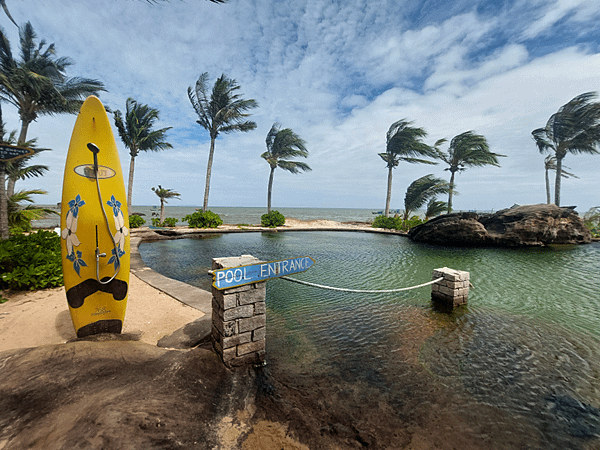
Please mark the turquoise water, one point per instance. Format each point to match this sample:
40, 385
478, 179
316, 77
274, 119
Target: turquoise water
526, 348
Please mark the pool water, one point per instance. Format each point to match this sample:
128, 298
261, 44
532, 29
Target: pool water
520, 363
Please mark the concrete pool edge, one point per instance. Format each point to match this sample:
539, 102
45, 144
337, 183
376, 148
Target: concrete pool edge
187, 294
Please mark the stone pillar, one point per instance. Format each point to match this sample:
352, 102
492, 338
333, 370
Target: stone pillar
453, 289
239, 318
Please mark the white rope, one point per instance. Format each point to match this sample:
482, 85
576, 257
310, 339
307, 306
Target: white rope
361, 291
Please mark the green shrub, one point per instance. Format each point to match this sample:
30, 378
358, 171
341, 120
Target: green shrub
396, 223
408, 224
201, 219
170, 222
136, 221
389, 223
31, 261
155, 222
272, 220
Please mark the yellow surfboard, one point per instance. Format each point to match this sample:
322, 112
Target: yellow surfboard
94, 225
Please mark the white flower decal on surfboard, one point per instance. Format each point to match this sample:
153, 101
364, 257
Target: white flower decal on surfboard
121, 232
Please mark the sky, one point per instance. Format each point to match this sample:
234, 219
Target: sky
338, 73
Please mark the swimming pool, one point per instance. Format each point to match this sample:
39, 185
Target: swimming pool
520, 361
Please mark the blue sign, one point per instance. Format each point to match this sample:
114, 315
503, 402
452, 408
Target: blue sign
239, 276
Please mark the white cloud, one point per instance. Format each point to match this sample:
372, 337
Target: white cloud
338, 74
551, 13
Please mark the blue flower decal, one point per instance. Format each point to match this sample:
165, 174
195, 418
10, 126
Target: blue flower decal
77, 261
113, 259
74, 205
115, 204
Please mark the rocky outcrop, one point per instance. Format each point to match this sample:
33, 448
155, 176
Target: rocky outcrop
520, 226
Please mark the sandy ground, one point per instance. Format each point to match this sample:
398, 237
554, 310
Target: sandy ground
31, 319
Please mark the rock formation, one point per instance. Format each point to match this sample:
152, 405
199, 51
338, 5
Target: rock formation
519, 226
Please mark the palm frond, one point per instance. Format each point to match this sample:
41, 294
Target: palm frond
222, 110
135, 128
435, 208
164, 194
283, 144
422, 190
7, 12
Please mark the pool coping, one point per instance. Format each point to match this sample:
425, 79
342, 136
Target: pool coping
185, 293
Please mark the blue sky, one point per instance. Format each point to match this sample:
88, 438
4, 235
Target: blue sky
338, 73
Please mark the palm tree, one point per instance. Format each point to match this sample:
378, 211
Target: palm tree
221, 110
466, 150
421, 191
36, 83
135, 130
12, 171
404, 144
435, 207
164, 194
282, 145
21, 216
19, 169
550, 164
574, 128
4, 230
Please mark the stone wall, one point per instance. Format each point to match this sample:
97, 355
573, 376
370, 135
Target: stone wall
239, 318
453, 290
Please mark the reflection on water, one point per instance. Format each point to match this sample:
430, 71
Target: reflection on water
522, 359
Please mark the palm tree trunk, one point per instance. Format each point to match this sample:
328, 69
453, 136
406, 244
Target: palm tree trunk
548, 200
162, 211
558, 179
23, 134
130, 182
10, 187
451, 192
270, 189
389, 193
208, 171
3, 205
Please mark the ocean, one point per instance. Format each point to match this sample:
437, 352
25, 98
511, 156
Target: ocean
238, 215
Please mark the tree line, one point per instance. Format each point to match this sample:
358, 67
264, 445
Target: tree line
36, 84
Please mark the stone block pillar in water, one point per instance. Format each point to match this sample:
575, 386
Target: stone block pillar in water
453, 290
239, 318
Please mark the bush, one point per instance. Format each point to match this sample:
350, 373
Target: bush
272, 220
136, 221
396, 223
169, 222
410, 223
389, 223
201, 219
31, 261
